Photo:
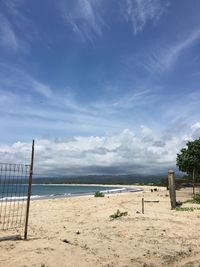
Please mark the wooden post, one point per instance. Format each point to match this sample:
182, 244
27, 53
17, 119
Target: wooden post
142, 205
172, 190
193, 181
29, 192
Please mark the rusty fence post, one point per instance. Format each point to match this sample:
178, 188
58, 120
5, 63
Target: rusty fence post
29, 192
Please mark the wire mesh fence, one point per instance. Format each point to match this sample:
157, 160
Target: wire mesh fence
14, 179
15, 193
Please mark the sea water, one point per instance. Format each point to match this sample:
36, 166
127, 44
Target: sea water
15, 191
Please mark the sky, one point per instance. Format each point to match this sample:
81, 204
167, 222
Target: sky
104, 87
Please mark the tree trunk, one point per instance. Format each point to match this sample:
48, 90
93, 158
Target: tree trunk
193, 180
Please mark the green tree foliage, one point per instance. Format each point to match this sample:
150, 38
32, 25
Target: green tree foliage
188, 160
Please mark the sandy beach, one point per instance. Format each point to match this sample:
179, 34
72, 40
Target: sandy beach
79, 232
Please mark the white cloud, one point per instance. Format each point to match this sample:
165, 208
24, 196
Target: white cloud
124, 153
196, 130
140, 12
196, 126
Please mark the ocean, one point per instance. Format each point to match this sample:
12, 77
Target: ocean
66, 190
12, 192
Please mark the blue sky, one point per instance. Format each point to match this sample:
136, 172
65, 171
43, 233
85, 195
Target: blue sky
107, 83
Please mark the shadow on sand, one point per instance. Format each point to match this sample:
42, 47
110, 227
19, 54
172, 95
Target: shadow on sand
11, 238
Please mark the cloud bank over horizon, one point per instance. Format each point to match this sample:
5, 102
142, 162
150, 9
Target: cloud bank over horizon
148, 153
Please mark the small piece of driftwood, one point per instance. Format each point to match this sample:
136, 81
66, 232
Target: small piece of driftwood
155, 201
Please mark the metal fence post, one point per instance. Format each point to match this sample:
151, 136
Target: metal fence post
29, 191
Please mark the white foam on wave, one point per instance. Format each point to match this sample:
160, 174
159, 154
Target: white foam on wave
18, 198
114, 190
121, 190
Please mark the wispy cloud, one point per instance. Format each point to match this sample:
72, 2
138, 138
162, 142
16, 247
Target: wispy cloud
8, 38
16, 79
140, 12
41, 101
184, 105
84, 17
87, 21
15, 27
29, 103
21, 88
163, 57
128, 100
187, 42
13, 7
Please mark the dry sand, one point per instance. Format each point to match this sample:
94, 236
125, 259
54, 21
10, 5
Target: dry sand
159, 237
